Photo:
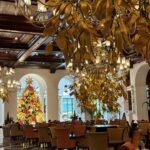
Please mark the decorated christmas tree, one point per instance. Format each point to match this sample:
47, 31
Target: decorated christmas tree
29, 108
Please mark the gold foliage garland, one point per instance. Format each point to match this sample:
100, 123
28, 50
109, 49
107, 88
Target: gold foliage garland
103, 85
103, 82
77, 24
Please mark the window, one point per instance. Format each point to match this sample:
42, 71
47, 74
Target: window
39, 86
67, 108
67, 104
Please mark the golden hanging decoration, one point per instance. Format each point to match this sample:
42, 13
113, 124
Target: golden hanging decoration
102, 83
78, 24
93, 35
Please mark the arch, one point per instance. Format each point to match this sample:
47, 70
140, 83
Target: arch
148, 93
37, 77
141, 74
42, 91
65, 80
141, 71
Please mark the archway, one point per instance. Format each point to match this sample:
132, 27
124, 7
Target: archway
140, 90
67, 104
40, 87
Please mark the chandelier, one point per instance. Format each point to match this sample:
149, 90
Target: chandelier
98, 84
7, 83
105, 56
37, 12
103, 82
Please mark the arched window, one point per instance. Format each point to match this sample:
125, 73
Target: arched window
39, 86
67, 104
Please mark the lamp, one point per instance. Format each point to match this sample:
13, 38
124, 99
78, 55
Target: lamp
7, 83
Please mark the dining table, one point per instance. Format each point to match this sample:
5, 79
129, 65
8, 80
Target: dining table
102, 127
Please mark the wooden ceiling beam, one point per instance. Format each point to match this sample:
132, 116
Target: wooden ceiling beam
12, 1
44, 59
27, 53
17, 24
41, 65
13, 45
7, 58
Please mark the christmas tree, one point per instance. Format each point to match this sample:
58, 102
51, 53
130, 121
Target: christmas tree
29, 105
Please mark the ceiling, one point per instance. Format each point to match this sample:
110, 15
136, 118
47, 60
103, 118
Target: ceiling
19, 40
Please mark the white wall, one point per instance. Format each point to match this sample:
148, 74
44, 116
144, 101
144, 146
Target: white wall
52, 92
138, 82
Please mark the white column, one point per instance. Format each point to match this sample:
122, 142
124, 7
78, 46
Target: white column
1, 112
142, 112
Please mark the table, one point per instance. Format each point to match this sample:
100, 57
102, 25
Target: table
102, 128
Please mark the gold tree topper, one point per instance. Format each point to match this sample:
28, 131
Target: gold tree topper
29, 80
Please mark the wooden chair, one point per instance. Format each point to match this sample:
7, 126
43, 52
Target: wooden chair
83, 142
44, 136
63, 141
29, 134
98, 140
53, 136
144, 127
6, 130
79, 130
115, 136
15, 132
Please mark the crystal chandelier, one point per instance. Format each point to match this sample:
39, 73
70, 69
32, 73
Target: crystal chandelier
104, 81
106, 56
100, 84
7, 83
37, 12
